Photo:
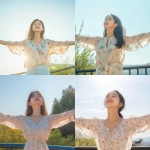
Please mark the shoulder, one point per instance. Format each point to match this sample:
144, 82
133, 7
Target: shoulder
25, 41
95, 120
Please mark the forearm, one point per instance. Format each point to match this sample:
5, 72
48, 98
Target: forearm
71, 43
80, 38
3, 42
136, 38
87, 39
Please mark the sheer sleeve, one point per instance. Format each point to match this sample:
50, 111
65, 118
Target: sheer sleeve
58, 47
17, 47
58, 120
139, 124
11, 121
88, 42
89, 124
135, 42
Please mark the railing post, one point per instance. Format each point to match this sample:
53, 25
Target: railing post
129, 72
137, 71
146, 71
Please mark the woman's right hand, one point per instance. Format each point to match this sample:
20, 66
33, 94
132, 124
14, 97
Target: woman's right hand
3, 42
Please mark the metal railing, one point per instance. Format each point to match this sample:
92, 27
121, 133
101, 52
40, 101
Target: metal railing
137, 68
134, 70
133, 148
51, 147
54, 71
59, 70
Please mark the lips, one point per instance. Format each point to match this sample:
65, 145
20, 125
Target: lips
36, 99
109, 101
105, 23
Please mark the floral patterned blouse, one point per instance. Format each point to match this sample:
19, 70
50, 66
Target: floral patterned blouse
120, 138
37, 134
37, 54
109, 58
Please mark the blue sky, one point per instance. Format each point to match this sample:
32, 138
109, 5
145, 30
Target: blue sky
16, 17
14, 91
133, 14
91, 91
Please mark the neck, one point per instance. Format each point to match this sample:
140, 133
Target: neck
109, 32
113, 115
37, 36
36, 111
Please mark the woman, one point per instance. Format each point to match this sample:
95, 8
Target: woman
37, 50
37, 124
114, 133
110, 49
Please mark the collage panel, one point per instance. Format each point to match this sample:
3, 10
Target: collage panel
112, 37
112, 113
37, 113
37, 37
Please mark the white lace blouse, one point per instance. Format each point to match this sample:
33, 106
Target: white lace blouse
120, 138
109, 58
37, 134
37, 54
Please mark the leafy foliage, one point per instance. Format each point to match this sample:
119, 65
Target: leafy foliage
84, 58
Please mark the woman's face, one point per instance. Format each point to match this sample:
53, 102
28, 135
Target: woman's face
37, 26
36, 99
112, 100
109, 22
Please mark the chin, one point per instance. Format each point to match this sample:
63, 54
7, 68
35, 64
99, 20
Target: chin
37, 30
37, 103
109, 105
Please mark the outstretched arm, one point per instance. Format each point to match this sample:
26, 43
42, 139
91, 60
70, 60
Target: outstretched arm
17, 47
89, 124
135, 42
139, 124
3, 42
11, 121
87, 41
59, 47
58, 120
71, 43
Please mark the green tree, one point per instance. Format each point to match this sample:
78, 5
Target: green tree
67, 102
84, 58
56, 138
81, 140
64, 64
9, 135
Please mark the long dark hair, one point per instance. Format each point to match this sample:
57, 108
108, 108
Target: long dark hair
118, 32
122, 100
31, 35
29, 109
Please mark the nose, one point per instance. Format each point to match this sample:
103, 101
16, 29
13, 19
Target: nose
109, 98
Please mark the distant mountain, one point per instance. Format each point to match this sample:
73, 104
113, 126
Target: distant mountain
147, 139
136, 65
134, 71
145, 142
